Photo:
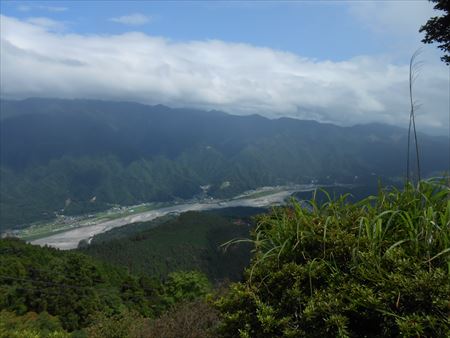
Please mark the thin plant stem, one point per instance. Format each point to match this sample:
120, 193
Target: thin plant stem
413, 69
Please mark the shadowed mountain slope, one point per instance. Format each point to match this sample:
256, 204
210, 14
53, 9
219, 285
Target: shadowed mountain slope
58, 154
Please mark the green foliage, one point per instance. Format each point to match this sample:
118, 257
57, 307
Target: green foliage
125, 324
45, 292
195, 319
437, 29
30, 325
188, 319
375, 268
69, 285
182, 299
185, 286
56, 151
190, 241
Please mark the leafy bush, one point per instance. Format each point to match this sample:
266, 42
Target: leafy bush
184, 313
69, 285
58, 291
376, 268
127, 324
185, 286
195, 319
30, 325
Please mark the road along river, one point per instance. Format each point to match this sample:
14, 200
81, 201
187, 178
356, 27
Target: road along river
270, 196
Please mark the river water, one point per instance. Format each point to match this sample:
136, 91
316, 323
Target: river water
69, 239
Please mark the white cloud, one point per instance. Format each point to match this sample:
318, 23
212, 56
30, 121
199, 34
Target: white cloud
234, 77
135, 19
47, 23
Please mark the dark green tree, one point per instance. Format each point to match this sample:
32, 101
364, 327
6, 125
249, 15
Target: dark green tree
185, 286
437, 29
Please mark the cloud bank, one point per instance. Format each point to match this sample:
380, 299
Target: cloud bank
47, 23
234, 77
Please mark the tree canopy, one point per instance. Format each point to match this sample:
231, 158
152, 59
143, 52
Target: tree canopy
437, 29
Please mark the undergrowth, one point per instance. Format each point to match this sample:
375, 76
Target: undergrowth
376, 268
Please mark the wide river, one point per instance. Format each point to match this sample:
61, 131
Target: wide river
69, 239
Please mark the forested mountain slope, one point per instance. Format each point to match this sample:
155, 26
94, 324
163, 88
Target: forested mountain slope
191, 241
45, 292
69, 285
60, 154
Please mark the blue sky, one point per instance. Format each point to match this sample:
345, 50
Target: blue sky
325, 30
333, 61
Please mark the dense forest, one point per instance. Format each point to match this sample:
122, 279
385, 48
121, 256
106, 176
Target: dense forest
46, 292
329, 268
57, 155
191, 241
142, 271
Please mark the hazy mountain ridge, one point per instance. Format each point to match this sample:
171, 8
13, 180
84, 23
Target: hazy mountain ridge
59, 154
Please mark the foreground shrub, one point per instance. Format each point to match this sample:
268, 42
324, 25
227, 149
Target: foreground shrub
182, 286
127, 324
196, 319
182, 309
376, 268
30, 325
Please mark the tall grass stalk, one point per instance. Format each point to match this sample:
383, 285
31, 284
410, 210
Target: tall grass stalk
415, 219
376, 268
414, 68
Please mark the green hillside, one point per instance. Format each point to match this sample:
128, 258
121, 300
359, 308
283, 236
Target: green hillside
378, 267
67, 284
191, 241
46, 292
76, 156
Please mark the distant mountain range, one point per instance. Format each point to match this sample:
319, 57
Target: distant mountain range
84, 155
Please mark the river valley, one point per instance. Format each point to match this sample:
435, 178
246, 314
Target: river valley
262, 197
